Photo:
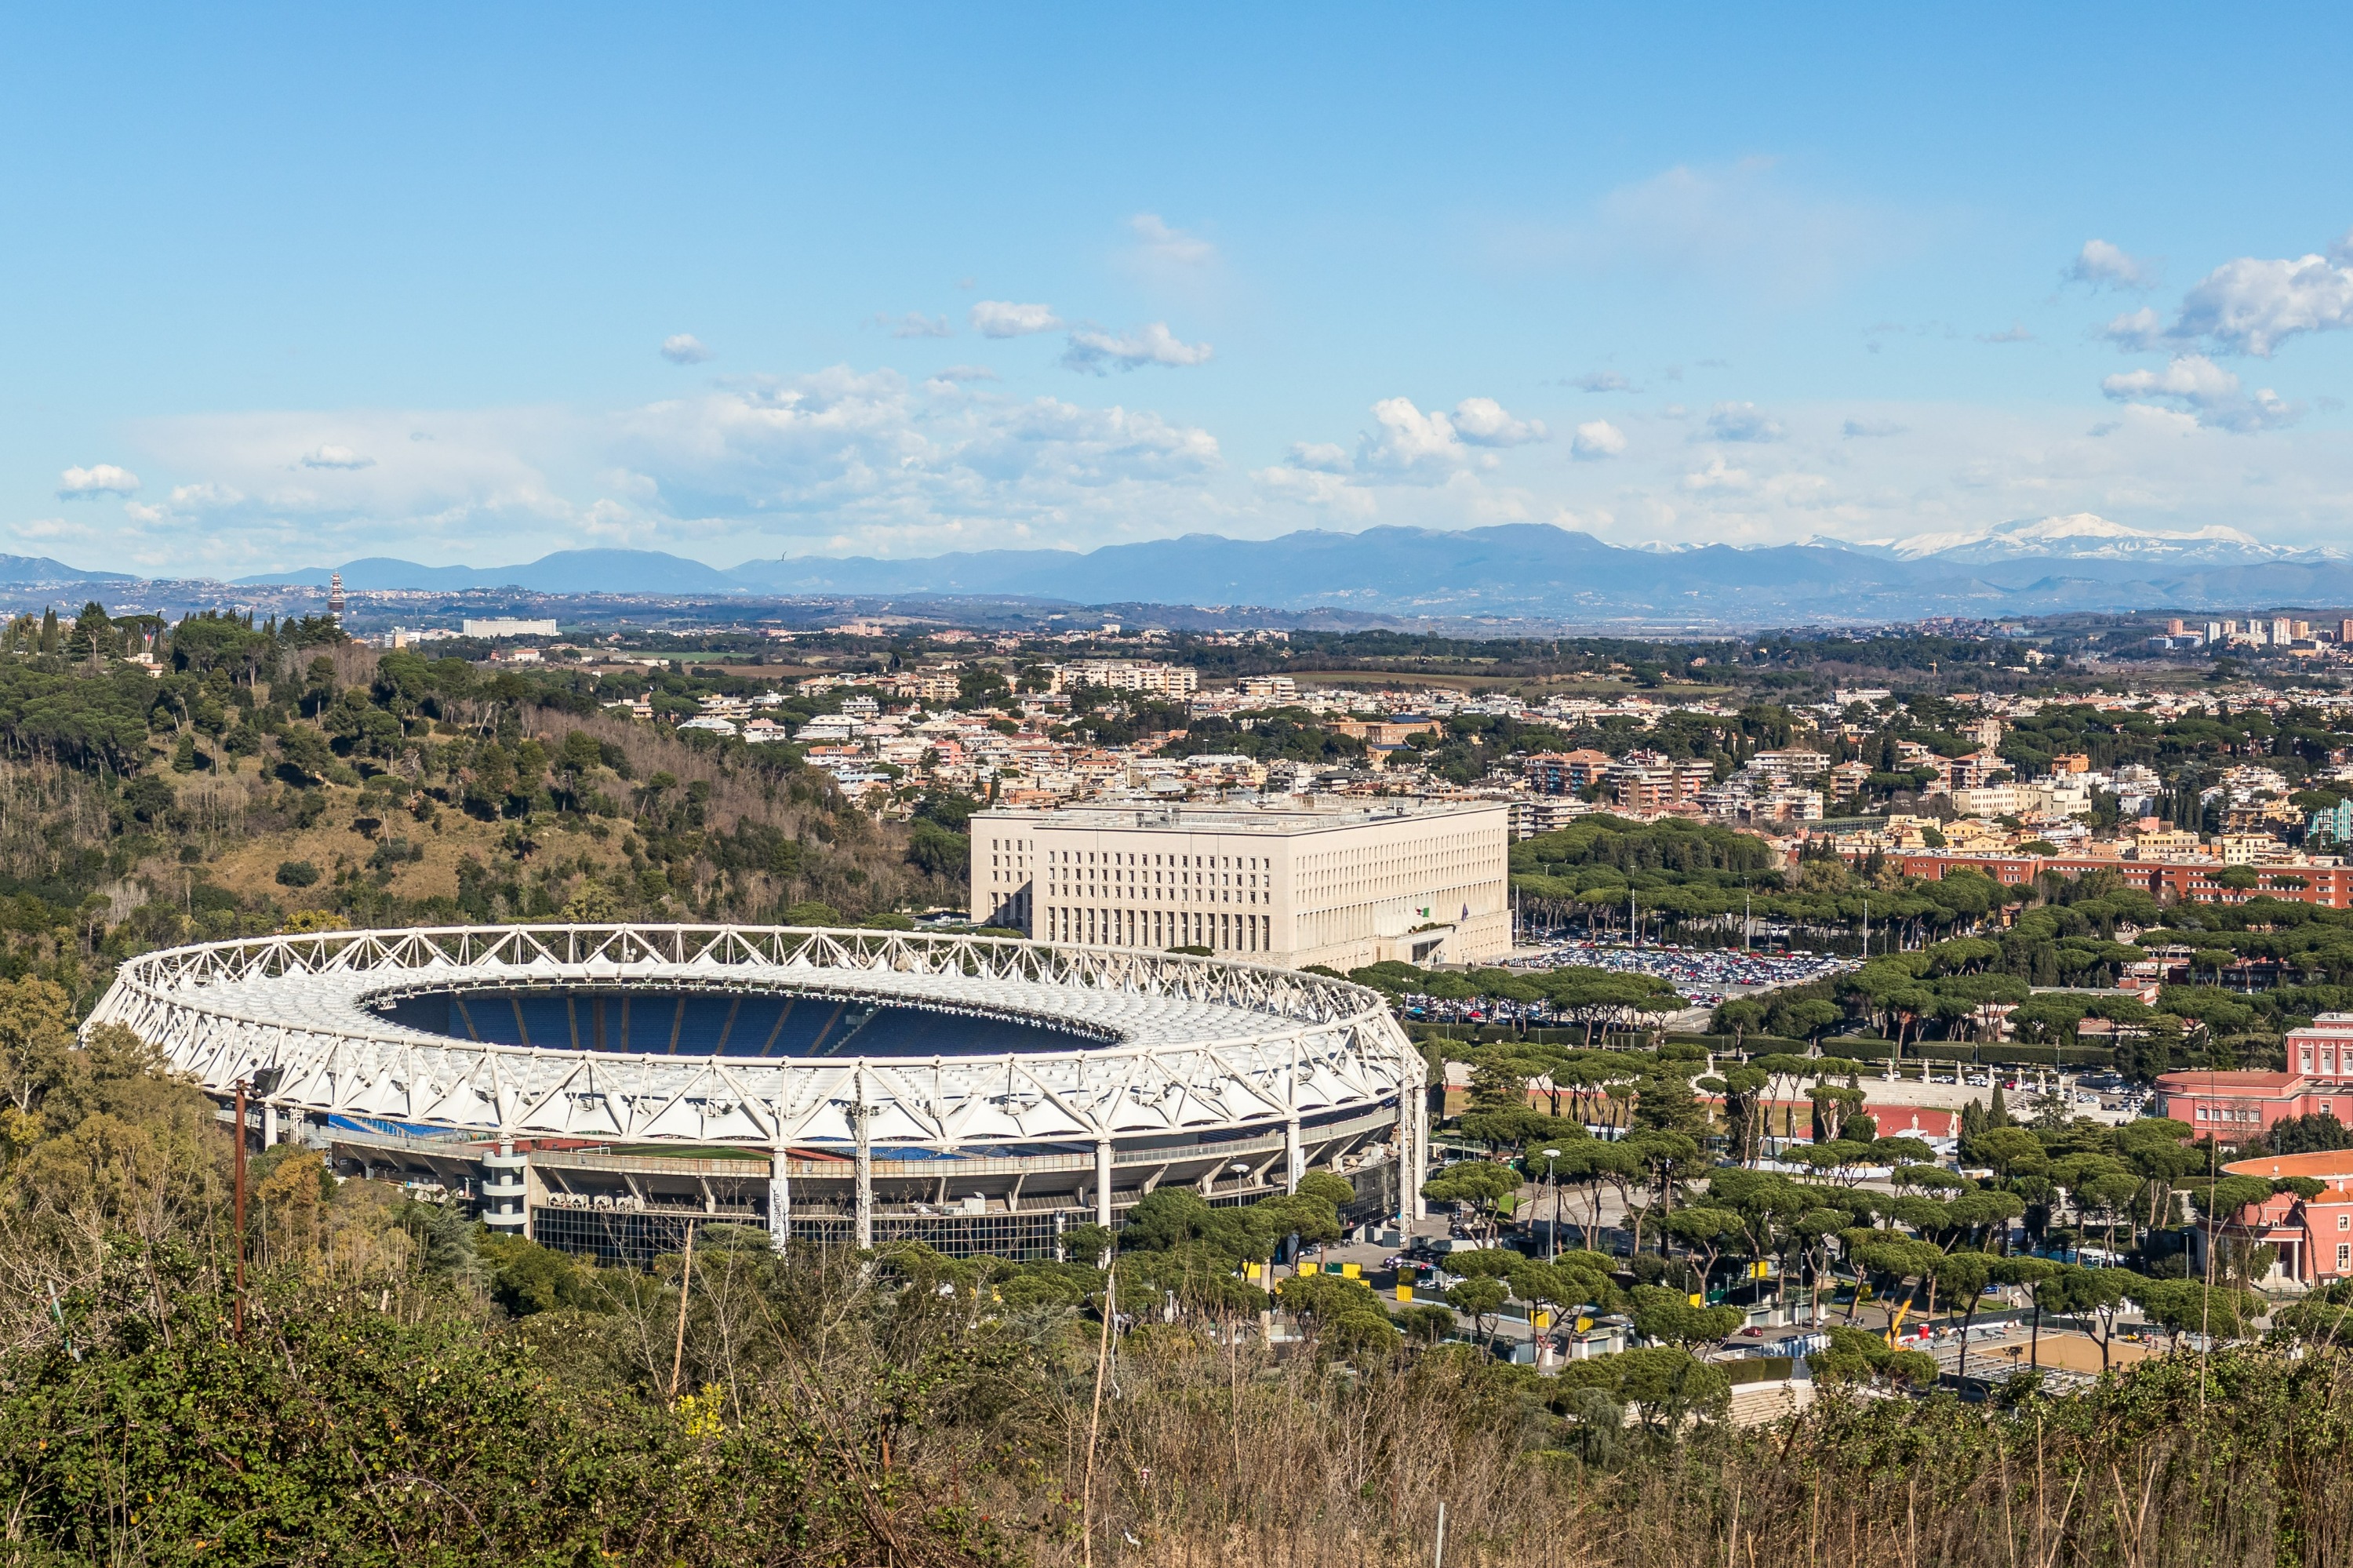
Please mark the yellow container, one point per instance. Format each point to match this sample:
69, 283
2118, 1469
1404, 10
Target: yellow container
1697, 1300
1405, 1293
1250, 1270
1352, 1271
1544, 1319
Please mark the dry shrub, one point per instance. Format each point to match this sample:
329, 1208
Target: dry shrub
1217, 1455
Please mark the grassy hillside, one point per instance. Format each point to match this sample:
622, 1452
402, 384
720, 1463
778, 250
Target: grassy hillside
262, 777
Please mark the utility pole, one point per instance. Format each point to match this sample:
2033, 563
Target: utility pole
238, 1309
262, 1081
1552, 1189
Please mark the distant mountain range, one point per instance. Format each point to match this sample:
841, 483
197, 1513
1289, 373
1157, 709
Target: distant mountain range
2083, 536
41, 570
567, 571
1515, 571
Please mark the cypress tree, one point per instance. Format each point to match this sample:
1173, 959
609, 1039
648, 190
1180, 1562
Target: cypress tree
1998, 1115
50, 629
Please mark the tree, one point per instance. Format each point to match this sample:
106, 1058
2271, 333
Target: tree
1705, 1230
1963, 1276
1738, 1018
1479, 1183
1578, 1279
1857, 1357
1901, 1263
1667, 1316
1811, 1019
2096, 1295
1478, 1300
2192, 1307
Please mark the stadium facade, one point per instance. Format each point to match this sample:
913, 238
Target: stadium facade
605, 1088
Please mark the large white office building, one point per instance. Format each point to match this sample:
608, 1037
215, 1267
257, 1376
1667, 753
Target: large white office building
1340, 885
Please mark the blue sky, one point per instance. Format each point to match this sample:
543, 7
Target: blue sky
288, 286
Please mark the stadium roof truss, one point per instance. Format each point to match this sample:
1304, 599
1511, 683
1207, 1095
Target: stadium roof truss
1162, 1044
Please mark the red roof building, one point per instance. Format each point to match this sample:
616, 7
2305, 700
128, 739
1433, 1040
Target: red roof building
2314, 1236
2191, 881
2235, 1105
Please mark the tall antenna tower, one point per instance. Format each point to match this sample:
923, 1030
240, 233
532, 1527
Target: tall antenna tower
335, 597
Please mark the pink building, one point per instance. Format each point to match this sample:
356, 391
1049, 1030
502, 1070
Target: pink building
2314, 1236
2235, 1105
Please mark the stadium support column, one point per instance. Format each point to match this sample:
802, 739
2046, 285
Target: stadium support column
1416, 1141
861, 1120
1103, 1182
269, 1124
780, 1200
1294, 1156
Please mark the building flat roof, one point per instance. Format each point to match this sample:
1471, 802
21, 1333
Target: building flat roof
1275, 821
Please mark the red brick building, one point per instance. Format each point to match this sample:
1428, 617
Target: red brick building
2190, 881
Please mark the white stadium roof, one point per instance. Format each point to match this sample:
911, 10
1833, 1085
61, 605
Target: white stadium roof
1161, 1046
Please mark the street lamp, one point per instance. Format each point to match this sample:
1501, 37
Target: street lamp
1552, 1190
261, 1081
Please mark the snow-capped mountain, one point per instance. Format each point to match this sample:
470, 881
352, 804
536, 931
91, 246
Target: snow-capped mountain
2086, 537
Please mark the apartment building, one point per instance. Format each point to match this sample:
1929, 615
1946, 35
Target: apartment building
1342, 885
1129, 675
1645, 783
1565, 772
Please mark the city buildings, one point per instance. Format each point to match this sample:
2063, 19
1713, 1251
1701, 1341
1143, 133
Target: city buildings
1340, 883
1129, 675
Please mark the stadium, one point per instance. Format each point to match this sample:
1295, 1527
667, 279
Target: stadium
605, 1088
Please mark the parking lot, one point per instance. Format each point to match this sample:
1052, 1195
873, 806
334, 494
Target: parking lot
1703, 974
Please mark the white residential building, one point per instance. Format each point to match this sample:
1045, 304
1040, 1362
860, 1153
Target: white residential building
1130, 675
1340, 885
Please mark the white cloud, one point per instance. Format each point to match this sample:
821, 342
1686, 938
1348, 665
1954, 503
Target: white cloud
1482, 423
1002, 318
867, 461
1603, 381
2017, 333
684, 348
1322, 457
845, 448
2136, 331
1328, 492
335, 457
915, 324
1857, 429
1096, 352
1406, 439
2251, 305
1719, 475
1598, 439
2104, 266
99, 479
1158, 242
1740, 422
962, 373
2195, 385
